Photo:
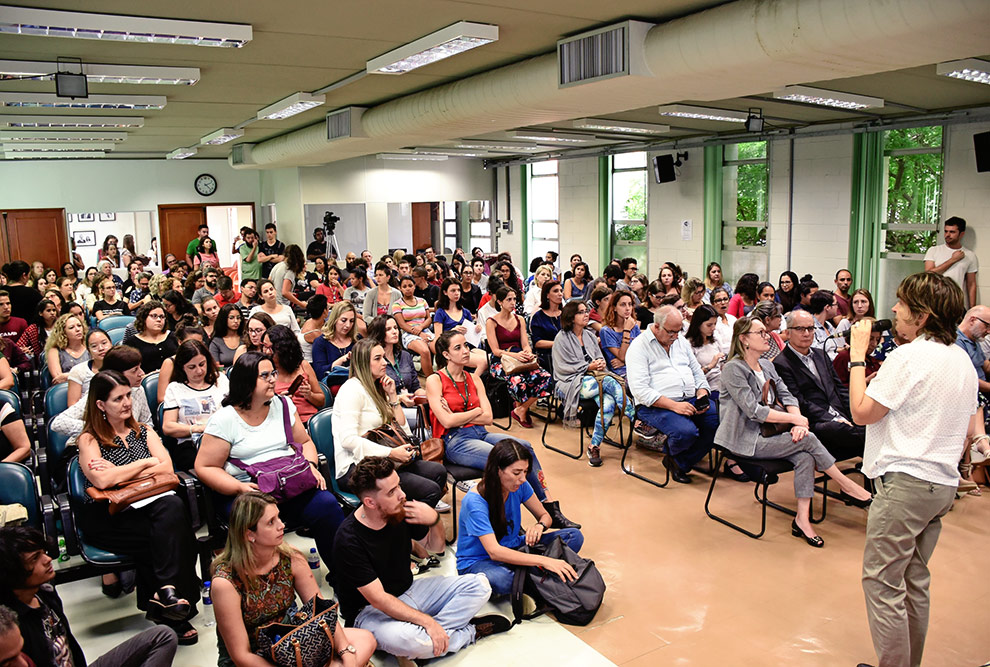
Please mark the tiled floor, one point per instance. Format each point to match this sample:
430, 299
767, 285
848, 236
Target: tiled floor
685, 590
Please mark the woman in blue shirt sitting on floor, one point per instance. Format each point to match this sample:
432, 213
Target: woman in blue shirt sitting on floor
490, 527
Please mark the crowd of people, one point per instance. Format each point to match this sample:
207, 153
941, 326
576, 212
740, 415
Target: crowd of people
411, 344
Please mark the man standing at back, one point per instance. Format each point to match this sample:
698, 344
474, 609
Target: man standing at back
271, 251
250, 264
193, 248
951, 259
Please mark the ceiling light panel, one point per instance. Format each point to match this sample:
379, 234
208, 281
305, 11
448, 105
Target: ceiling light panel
63, 155
48, 146
619, 126
221, 136
135, 74
181, 153
71, 121
55, 137
411, 156
452, 152
117, 28
969, 69
450, 41
555, 138
291, 105
501, 146
827, 98
52, 101
703, 113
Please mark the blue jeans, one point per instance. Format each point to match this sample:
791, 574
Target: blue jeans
469, 446
451, 601
501, 575
689, 439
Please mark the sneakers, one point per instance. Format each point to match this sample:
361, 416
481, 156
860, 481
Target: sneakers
492, 624
654, 444
572, 423
467, 485
594, 456
442, 507
645, 430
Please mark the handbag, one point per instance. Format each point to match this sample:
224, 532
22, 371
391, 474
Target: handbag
124, 494
430, 449
512, 366
572, 602
285, 477
304, 638
768, 429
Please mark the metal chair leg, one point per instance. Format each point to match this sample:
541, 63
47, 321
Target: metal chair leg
555, 406
763, 503
628, 469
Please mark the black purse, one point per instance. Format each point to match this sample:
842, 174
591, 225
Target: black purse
768, 429
304, 638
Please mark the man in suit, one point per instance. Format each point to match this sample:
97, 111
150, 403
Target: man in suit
822, 397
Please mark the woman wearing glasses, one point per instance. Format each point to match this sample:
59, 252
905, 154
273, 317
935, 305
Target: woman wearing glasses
742, 412
724, 322
153, 340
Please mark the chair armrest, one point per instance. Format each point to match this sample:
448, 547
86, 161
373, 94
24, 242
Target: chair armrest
43, 472
68, 524
190, 488
47, 507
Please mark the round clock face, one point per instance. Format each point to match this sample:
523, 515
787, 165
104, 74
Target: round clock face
206, 184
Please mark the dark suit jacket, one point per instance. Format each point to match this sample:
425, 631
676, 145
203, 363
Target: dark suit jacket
814, 397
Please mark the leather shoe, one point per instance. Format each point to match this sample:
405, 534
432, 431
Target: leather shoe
676, 473
558, 520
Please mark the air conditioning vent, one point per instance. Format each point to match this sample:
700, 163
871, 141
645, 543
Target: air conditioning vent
605, 53
240, 154
345, 123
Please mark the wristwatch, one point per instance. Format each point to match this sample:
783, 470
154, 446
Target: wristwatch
854, 364
347, 649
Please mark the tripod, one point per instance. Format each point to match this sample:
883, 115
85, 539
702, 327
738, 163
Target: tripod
333, 250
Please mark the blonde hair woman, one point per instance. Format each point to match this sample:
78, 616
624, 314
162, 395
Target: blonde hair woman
333, 348
65, 347
532, 302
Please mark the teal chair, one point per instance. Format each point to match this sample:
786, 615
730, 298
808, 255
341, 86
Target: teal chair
321, 431
17, 486
114, 322
327, 396
117, 335
51, 459
75, 537
150, 386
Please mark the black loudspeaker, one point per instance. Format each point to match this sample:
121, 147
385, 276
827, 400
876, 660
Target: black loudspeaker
981, 143
663, 168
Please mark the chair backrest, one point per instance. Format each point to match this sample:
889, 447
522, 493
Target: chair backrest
115, 322
320, 429
17, 486
117, 335
56, 447
56, 400
150, 386
327, 395
77, 482
11, 397
46, 378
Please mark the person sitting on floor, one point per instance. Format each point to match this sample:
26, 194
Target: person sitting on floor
490, 529
26, 574
256, 580
666, 381
418, 619
822, 397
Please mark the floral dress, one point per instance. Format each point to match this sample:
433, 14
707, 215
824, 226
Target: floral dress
522, 386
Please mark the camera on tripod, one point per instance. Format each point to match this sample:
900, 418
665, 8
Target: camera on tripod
330, 222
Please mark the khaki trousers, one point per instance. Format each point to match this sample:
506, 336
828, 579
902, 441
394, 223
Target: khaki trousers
901, 532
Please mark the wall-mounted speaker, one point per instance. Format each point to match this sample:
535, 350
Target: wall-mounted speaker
663, 168
981, 143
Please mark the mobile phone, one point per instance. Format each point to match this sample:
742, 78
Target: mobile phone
702, 403
295, 385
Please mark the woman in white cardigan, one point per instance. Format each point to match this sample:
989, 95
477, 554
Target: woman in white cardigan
365, 402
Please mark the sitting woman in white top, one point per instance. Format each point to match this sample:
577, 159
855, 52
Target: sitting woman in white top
98, 343
367, 401
490, 529
253, 427
194, 394
280, 313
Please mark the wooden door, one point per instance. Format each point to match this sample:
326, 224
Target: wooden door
422, 226
178, 224
35, 234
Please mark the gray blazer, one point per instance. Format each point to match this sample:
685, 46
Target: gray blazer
739, 405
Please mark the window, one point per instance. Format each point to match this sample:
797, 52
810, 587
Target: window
745, 196
543, 209
628, 208
913, 162
449, 226
480, 214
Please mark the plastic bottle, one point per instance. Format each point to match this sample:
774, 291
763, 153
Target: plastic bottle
208, 605
63, 554
314, 559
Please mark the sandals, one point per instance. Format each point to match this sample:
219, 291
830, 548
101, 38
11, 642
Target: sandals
167, 606
182, 631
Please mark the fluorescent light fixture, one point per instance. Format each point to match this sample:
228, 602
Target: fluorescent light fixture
501, 146
411, 156
47, 146
221, 136
50, 100
43, 70
181, 153
969, 69
551, 137
827, 98
291, 105
117, 28
452, 152
62, 155
703, 113
618, 126
458, 38
71, 121
57, 137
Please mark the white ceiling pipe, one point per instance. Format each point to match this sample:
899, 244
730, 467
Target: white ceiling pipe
746, 47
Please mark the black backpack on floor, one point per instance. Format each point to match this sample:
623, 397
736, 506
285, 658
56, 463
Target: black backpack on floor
573, 603
498, 395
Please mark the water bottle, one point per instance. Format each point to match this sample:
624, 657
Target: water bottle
208, 605
63, 554
314, 559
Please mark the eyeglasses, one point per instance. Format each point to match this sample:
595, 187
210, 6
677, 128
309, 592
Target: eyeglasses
762, 333
157, 316
985, 323
802, 329
268, 376
673, 333
722, 300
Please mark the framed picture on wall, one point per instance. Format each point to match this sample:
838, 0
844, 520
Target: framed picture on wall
108, 217
86, 217
85, 238
70, 217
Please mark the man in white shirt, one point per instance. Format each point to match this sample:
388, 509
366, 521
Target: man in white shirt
666, 381
919, 412
953, 260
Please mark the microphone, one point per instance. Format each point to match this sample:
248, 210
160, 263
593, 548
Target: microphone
879, 326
